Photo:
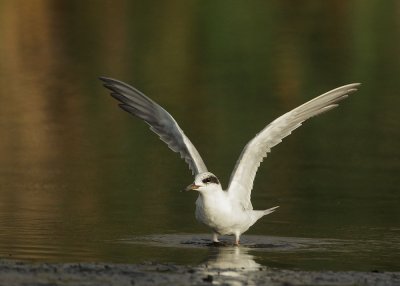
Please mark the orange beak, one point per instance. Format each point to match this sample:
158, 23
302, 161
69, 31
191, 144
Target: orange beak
192, 187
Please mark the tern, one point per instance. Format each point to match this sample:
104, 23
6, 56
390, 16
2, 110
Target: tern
226, 212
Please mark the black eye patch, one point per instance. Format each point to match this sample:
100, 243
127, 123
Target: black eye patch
211, 179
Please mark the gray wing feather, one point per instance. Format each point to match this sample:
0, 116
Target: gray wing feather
242, 178
160, 121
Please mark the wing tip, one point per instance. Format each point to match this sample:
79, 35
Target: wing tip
112, 82
104, 79
352, 87
353, 84
107, 82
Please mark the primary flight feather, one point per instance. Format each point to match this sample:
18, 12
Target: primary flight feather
160, 121
226, 212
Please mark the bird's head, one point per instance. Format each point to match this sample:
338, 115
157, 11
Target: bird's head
205, 182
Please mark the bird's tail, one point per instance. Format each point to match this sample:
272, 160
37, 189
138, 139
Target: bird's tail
271, 210
259, 214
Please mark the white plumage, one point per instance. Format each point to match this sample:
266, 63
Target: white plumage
225, 212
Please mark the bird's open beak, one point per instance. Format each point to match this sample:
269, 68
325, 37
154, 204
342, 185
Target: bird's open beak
192, 187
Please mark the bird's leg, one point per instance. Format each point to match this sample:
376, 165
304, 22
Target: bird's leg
237, 239
215, 238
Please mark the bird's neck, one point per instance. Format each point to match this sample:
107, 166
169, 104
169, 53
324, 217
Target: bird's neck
211, 195
213, 202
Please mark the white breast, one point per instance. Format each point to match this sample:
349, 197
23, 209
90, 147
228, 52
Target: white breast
217, 212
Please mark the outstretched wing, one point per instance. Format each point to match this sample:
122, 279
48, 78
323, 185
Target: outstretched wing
160, 121
242, 178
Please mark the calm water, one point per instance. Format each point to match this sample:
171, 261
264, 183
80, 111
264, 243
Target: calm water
80, 180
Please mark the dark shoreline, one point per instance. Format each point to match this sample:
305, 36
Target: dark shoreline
25, 273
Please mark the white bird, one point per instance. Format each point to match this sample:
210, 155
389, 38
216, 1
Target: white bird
226, 212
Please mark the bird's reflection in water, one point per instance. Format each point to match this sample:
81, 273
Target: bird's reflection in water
230, 265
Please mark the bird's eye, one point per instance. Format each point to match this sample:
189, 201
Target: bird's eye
210, 179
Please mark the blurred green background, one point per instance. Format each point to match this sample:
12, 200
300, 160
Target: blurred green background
77, 174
